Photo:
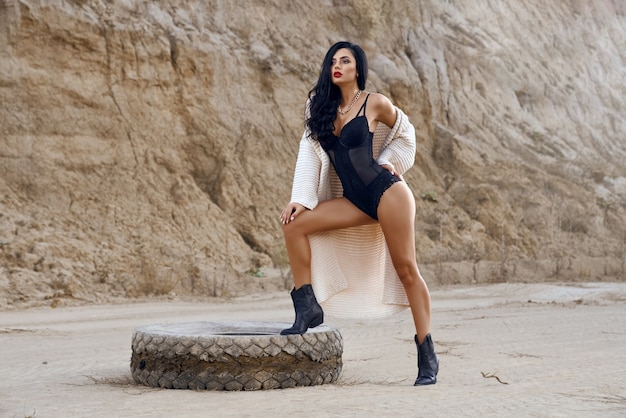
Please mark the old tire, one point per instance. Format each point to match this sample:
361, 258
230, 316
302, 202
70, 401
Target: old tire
234, 356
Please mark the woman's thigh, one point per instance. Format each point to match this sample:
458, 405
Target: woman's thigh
329, 215
396, 215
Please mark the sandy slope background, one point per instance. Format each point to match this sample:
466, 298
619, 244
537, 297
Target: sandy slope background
558, 350
146, 148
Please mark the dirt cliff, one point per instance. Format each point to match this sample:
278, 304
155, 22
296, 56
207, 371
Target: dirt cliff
146, 148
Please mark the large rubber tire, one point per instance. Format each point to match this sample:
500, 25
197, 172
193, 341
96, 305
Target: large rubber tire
234, 356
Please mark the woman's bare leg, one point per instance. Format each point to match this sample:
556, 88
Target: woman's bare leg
396, 215
327, 216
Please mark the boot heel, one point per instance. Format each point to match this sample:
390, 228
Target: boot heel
317, 321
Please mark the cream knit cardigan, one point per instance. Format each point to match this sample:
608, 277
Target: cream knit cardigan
352, 271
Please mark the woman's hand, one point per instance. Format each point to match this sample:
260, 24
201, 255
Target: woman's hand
392, 170
291, 212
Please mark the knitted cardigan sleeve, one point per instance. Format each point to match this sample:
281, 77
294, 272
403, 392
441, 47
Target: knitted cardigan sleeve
398, 149
306, 179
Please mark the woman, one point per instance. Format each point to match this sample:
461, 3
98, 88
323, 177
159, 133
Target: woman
371, 200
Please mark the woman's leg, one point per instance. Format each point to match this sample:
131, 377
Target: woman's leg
396, 215
327, 216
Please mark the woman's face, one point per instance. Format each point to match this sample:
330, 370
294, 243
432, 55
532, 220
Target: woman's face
343, 67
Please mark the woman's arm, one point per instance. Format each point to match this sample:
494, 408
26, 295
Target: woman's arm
398, 152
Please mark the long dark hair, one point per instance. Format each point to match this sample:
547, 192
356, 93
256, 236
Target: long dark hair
325, 96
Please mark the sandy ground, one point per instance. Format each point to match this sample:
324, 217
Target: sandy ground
558, 350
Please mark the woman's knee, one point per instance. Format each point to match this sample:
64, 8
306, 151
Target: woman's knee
289, 230
293, 229
410, 276
407, 273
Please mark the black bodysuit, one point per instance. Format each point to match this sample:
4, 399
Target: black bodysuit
364, 181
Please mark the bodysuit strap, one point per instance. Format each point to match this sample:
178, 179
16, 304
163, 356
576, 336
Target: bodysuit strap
363, 105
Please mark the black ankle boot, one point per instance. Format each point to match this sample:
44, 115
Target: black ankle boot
427, 362
309, 313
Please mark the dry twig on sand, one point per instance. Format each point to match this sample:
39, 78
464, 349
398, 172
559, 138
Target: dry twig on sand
488, 375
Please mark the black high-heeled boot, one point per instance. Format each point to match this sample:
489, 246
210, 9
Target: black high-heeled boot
309, 313
427, 362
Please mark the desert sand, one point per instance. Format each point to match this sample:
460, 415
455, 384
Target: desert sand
551, 349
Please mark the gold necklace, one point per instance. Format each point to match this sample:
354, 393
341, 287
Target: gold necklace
344, 112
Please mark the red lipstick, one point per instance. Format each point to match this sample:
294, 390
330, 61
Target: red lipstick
337, 74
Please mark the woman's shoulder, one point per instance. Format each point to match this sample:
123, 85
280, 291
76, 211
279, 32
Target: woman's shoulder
380, 103
379, 99
382, 107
